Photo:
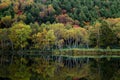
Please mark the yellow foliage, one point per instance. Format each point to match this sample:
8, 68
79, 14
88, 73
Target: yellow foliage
5, 4
19, 33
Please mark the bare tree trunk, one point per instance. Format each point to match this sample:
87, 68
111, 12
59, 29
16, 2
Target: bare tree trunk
87, 45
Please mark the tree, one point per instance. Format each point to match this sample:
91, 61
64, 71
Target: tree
35, 27
81, 37
18, 18
50, 9
4, 43
5, 4
69, 37
94, 32
29, 18
6, 21
107, 36
64, 18
39, 40
59, 32
44, 40
19, 34
51, 38
116, 29
101, 35
115, 26
4, 39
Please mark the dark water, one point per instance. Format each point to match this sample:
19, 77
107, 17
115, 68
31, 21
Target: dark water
59, 68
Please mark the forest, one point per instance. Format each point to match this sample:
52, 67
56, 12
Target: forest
61, 26
44, 24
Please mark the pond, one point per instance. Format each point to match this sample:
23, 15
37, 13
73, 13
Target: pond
59, 68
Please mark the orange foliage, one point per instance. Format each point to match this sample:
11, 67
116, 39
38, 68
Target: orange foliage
4, 5
64, 18
76, 26
86, 23
113, 21
16, 7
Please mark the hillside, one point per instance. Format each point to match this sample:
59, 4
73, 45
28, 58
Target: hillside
47, 24
63, 11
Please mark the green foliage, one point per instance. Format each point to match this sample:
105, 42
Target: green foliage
102, 35
55, 24
51, 38
107, 36
39, 39
116, 29
94, 34
19, 72
19, 33
43, 11
4, 39
6, 21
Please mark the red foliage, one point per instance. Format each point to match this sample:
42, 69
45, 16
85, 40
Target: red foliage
76, 26
64, 11
19, 12
64, 18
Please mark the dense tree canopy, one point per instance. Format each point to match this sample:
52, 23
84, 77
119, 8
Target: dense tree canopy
43, 11
19, 33
59, 24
